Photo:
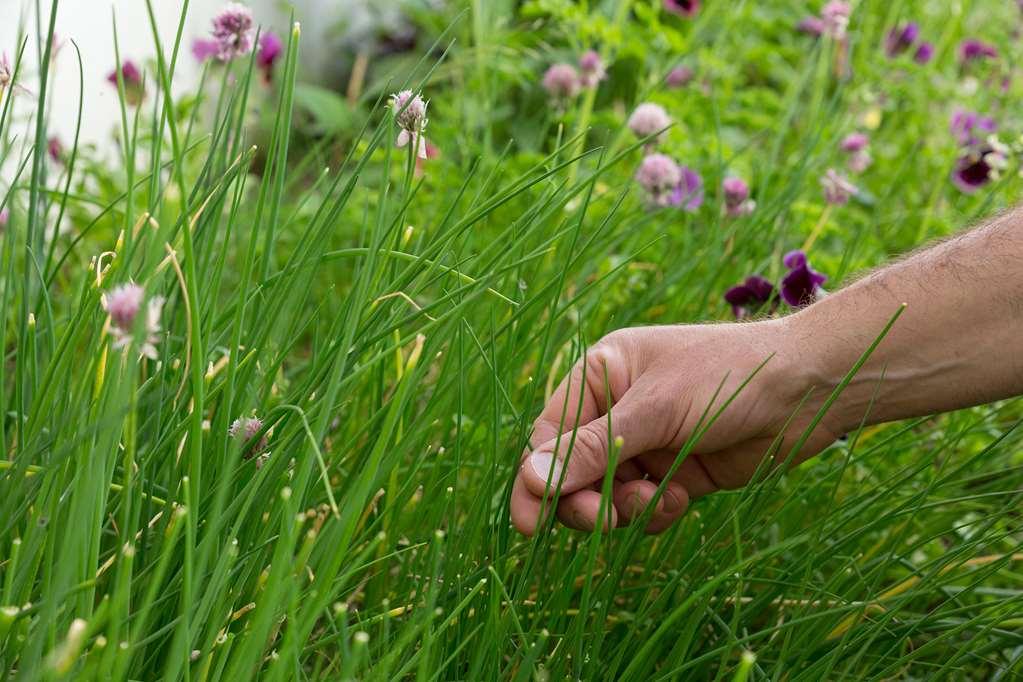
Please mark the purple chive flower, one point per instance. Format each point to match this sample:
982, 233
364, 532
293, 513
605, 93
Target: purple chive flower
969, 127
971, 50
55, 148
811, 26
234, 31
683, 8
688, 194
855, 145
649, 119
659, 175
591, 69
561, 81
737, 201
802, 285
134, 89
270, 49
747, 298
204, 48
245, 429
679, 77
410, 115
837, 188
835, 18
924, 53
901, 38
5, 217
123, 304
855, 142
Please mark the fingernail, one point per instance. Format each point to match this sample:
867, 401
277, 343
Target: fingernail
545, 466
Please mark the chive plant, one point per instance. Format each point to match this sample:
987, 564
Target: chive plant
264, 402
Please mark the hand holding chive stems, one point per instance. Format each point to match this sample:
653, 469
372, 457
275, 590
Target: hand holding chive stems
737, 393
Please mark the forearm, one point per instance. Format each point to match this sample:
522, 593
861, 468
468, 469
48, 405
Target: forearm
959, 341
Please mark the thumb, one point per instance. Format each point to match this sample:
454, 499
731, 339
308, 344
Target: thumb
575, 460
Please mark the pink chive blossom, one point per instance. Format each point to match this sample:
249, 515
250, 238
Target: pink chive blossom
591, 69
410, 115
837, 188
659, 175
134, 89
688, 194
561, 81
856, 146
649, 119
924, 53
971, 50
835, 18
802, 285
749, 297
270, 49
123, 304
6, 72
811, 26
737, 201
683, 8
55, 148
5, 217
234, 31
243, 430
204, 49
679, 77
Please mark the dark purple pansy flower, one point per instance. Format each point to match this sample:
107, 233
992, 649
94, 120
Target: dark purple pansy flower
924, 53
969, 127
978, 167
802, 285
204, 48
811, 26
748, 297
972, 49
683, 8
901, 38
688, 194
270, 49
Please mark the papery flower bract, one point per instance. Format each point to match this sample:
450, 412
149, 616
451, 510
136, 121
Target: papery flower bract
204, 48
134, 89
969, 127
591, 69
649, 119
812, 26
234, 31
561, 81
901, 38
270, 49
245, 429
688, 194
747, 298
683, 8
924, 53
835, 18
410, 115
972, 49
802, 285
736, 194
678, 77
837, 188
659, 175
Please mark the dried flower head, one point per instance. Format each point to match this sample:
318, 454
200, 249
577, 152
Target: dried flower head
234, 30
649, 119
837, 188
591, 69
659, 175
410, 114
561, 81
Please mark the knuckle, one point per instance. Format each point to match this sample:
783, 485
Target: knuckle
590, 446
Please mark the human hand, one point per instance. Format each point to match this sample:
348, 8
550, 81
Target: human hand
661, 381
